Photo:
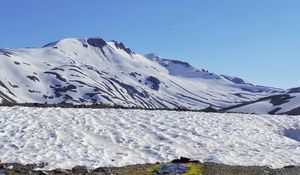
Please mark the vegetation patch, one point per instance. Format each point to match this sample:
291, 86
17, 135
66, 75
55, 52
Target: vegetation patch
194, 169
153, 168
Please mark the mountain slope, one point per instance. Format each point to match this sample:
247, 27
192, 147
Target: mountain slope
91, 70
286, 103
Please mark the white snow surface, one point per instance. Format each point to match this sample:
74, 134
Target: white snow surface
115, 137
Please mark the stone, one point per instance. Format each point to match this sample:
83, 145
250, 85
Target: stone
61, 171
80, 169
43, 173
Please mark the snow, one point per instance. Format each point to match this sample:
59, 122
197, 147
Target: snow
104, 75
292, 104
265, 106
115, 137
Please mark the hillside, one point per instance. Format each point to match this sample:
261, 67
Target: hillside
91, 70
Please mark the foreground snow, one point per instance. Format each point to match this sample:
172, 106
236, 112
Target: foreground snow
110, 137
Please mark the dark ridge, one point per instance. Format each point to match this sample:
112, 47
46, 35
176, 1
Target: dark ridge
57, 76
78, 71
152, 56
294, 90
238, 81
81, 82
50, 44
240, 95
5, 87
91, 95
33, 78
134, 74
187, 65
59, 90
132, 91
17, 63
122, 46
96, 42
5, 52
154, 82
46, 96
159, 101
6, 99
295, 111
235, 80
274, 111
34, 91
57, 68
275, 100
85, 45
67, 97
13, 85
281, 99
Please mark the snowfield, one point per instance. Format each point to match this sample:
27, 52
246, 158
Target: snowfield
114, 137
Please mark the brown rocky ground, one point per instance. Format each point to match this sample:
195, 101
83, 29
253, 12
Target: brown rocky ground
190, 168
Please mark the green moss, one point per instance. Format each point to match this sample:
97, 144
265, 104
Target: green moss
194, 169
153, 168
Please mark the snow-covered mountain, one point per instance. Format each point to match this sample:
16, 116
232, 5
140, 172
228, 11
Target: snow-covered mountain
91, 70
286, 103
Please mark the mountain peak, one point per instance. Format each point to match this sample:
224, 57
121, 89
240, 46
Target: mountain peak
93, 41
92, 70
121, 46
65, 41
96, 42
153, 56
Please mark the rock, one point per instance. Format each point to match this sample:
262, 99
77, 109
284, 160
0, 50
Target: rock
61, 171
171, 169
43, 173
10, 167
80, 169
41, 165
102, 171
289, 166
183, 160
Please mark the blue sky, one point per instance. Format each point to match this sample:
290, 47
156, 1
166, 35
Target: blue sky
258, 40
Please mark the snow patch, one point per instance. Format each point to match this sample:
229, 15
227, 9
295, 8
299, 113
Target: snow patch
65, 138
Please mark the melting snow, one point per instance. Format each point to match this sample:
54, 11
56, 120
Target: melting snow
115, 137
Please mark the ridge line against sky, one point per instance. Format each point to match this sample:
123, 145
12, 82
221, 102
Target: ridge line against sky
257, 40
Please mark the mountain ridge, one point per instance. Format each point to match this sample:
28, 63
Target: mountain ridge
92, 70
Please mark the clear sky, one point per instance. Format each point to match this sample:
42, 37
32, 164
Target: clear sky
258, 40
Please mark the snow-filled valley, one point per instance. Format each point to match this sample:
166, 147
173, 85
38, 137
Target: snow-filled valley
117, 137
